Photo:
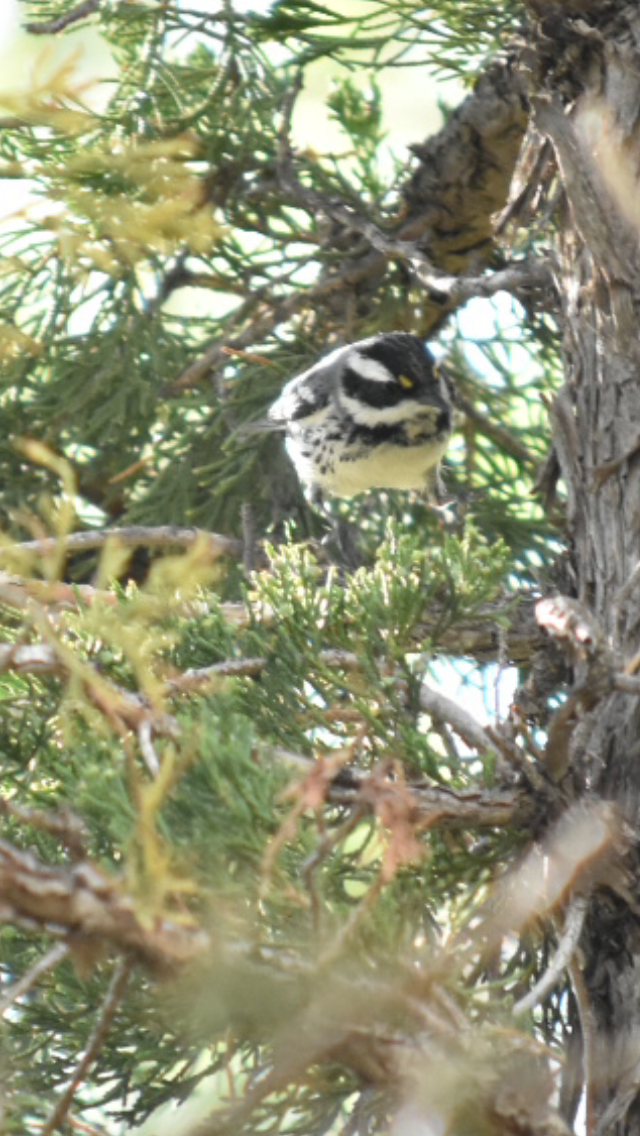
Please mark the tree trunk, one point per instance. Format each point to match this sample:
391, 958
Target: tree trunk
596, 432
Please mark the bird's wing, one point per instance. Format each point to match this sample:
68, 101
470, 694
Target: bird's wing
305, 398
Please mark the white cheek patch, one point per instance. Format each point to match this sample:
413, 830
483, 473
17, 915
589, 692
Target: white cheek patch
365, 415
368, 368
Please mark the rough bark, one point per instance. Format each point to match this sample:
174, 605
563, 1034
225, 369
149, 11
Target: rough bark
588, 105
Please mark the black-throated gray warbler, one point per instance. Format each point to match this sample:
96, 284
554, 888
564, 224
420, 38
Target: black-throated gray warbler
371, 415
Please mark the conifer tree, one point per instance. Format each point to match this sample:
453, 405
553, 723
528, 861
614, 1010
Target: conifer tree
289, 846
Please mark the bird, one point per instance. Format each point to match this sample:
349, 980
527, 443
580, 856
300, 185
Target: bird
374, 414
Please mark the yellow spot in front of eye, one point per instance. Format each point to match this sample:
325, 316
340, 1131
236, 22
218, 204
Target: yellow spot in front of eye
406, 382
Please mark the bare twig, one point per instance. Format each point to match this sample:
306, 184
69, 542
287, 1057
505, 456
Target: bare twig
567, 946
47, 962
110, 1005
59, 23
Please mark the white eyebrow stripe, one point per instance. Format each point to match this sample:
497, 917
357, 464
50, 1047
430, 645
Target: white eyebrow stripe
368, 368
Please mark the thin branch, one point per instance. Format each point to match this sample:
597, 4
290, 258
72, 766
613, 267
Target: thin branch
110, 1005
435, 804
567, 947
520, 276
589, 1031
198, 677
479, 635
47, 962
124, 709
59, 23
464, 724
495, 431
495, 116
19, 591
55, 595
154, 536
523, 275
518, 758
279, 310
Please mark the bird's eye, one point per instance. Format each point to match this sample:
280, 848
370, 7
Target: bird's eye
406, 382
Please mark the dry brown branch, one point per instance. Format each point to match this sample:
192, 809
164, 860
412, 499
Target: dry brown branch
568, 621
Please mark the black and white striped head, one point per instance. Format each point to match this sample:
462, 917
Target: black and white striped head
390, 378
